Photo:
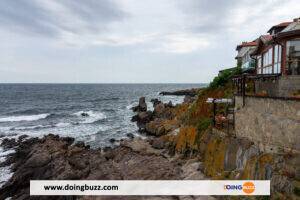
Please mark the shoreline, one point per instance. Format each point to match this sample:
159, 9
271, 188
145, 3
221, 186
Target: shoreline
34, 157
175, 146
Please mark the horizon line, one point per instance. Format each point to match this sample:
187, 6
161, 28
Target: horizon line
92, 83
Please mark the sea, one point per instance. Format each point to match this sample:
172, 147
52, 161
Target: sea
93, 113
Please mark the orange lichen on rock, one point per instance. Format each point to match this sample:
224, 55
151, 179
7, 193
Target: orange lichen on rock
256, 167
214, 157
186, 139
200, 108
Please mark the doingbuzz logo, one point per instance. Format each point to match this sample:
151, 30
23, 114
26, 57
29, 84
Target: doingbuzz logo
247, 187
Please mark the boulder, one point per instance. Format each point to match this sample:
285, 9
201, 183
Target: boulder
79, 144
142, 118
84, 114
130, 135
188, 99
112, 140
169, 104
8, 143
155, 127
155, 102
159, 109
158, 143
68, 140
142, 107
22, 137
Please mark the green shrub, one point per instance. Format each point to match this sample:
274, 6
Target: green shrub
225, 77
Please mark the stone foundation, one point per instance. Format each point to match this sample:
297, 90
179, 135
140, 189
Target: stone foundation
284, 86
272, 124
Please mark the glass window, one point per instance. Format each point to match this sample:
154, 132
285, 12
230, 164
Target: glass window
258, 65
277, 59
267, 61
293, 57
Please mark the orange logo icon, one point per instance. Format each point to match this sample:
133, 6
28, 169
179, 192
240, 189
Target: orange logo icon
248, 187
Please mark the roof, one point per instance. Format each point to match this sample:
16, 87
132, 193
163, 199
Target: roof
266, 38
246, 44
281, 25
262, 40
288, 34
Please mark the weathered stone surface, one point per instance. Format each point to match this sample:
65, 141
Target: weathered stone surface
272, 124
141, 107
190, 92
155, 127
155, 102
54, 158
158, 143
9, 143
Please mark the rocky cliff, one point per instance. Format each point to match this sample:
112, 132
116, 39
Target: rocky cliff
181, 144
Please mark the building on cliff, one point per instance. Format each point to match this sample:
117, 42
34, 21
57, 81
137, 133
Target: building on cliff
267, 92
267, 99
243, 58
276, 61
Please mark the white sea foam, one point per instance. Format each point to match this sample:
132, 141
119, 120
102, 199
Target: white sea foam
92, 116
131, 105
5, 172
24, 118
5, 175
22, 128
62, 124
5, 153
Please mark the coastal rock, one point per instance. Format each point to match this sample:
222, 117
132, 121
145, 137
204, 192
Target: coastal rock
142, 118
130, 135
112, 140
8, 143
190, 92
155, 127
188, 99
54, 158
155, 102
158, 143
69, 140
169, 104
162, 110
84, 114
141, 107
159, 109
80, 144
22, 137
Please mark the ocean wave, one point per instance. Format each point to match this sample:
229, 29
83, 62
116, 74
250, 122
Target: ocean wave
4, 129
6, 153
24, 118
5, 175
90, 117
131, 105
62, 124
23, 128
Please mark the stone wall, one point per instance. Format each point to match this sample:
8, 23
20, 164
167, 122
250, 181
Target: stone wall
272, 124
284, 86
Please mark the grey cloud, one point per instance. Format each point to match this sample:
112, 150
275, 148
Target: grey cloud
208, 15
21, 14
213, 16
31, 17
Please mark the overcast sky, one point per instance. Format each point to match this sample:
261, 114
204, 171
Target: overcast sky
129, 41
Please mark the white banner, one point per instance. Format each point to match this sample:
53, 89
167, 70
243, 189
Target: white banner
146, 187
